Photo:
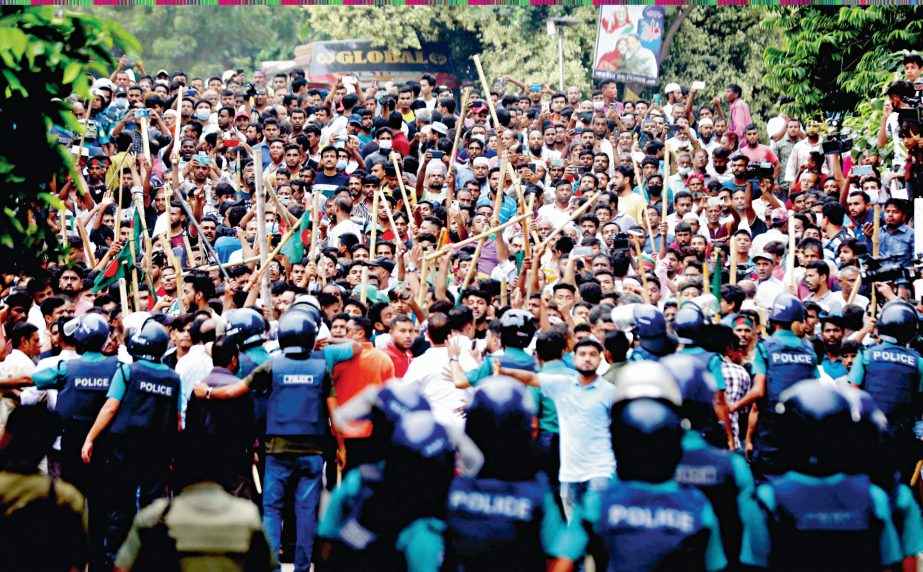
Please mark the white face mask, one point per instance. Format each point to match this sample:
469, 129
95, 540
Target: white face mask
684, 171
341, 165
597, 105
384, 144
202, 114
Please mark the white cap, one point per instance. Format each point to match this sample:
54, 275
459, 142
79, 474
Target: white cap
228, 74
671, 87
705, 121
481, 161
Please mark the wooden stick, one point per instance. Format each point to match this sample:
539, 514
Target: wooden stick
644, 293
400, 183
118, 206
134, 273
179, 121
123, 296
262, 237
139, 206
459, 125
876, 239
526, 230
790, 261
374, 227
397, 237
733, 278
174, 262
315, 225
486, 86
664, 207
576, 214
475, 238
87, 247
190, 255
504, 299
211, 267
118, 171
472, 270
650, 229
363, 288
424, 286
262, 269
706, 283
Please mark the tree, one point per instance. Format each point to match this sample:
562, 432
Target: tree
46, 57
721, 47
206, 40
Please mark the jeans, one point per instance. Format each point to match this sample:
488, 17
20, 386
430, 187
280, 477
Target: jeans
572, 493
302, 474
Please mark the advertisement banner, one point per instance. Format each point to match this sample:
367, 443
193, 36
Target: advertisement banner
628, 41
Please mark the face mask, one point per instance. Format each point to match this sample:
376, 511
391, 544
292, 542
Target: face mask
341, 165
283, 201
121, 103
684, 171
202, 114
272, 228
597, 105
655, 189
384, 144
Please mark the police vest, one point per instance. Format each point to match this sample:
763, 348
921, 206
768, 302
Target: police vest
507, 362
151, 400
496, 525
704, 358
85, 388
653, 530
891, 376
786, 366
296, 404
823, 526
711, 471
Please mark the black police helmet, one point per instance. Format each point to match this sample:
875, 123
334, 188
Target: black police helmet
687, 322
897, 323
516, 329
786, 309
149, 342
91, 333
246, 327
297, 333
646, 436
816, 418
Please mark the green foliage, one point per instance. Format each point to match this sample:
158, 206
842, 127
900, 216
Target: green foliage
830, 59
206, 40
45, 57
510, 40
722, 46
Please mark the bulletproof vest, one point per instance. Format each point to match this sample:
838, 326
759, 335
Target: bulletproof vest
249, 361
786, 366
85, 388
508, 362
151, 400
823, 526
711, 471
296, 404
891, 376
704, 358
653, 530
496, 525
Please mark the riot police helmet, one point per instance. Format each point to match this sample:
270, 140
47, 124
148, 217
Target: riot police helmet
646, 435
815, 419
149, 342
246, 328
297, 334
90, 334
786, 309
647, 379
499, 422
517, 327
687, 322
897, 323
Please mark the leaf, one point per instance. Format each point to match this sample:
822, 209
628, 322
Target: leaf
72, 71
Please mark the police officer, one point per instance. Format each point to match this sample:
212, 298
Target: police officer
82, 384
505, 518
780, 361
645, 520
654, 341
142, 413
247, 329
300, 398
820, 518
722, 476
517, 328
892, 374
203, 527
342, 548
691, 330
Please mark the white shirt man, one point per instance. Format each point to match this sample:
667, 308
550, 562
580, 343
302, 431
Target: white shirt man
446, 400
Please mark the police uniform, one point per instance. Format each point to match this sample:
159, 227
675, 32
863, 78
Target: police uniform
710, 361
512, 358
893, 376
785, 359
204, 528
143, 434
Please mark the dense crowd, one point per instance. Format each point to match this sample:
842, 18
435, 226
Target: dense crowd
503, 328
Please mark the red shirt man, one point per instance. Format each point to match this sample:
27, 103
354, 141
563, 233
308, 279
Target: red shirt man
402, 336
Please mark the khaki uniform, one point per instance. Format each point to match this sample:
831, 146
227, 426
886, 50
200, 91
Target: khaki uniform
211, 529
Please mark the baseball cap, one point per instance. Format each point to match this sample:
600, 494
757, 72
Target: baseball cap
381, 262
778, 216
355, 119
479, 109
671, 87
162, 72
754, 254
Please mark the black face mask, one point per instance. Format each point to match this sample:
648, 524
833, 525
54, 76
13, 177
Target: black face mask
655, 189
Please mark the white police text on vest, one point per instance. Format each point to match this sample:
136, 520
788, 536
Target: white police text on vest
505, 505
692, 475
156, 388
894, 357
91, 383
830, 520
298, 380
792, 358
645, 517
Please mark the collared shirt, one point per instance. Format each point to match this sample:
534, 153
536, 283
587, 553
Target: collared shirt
192, 368
584, 414
834, 367
739, 117
446, 400
546, 411
897, 241
738, 383
766, 292
830, 302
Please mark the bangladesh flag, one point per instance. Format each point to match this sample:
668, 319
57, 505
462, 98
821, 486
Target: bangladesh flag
295, 248
117, 268
716, 276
